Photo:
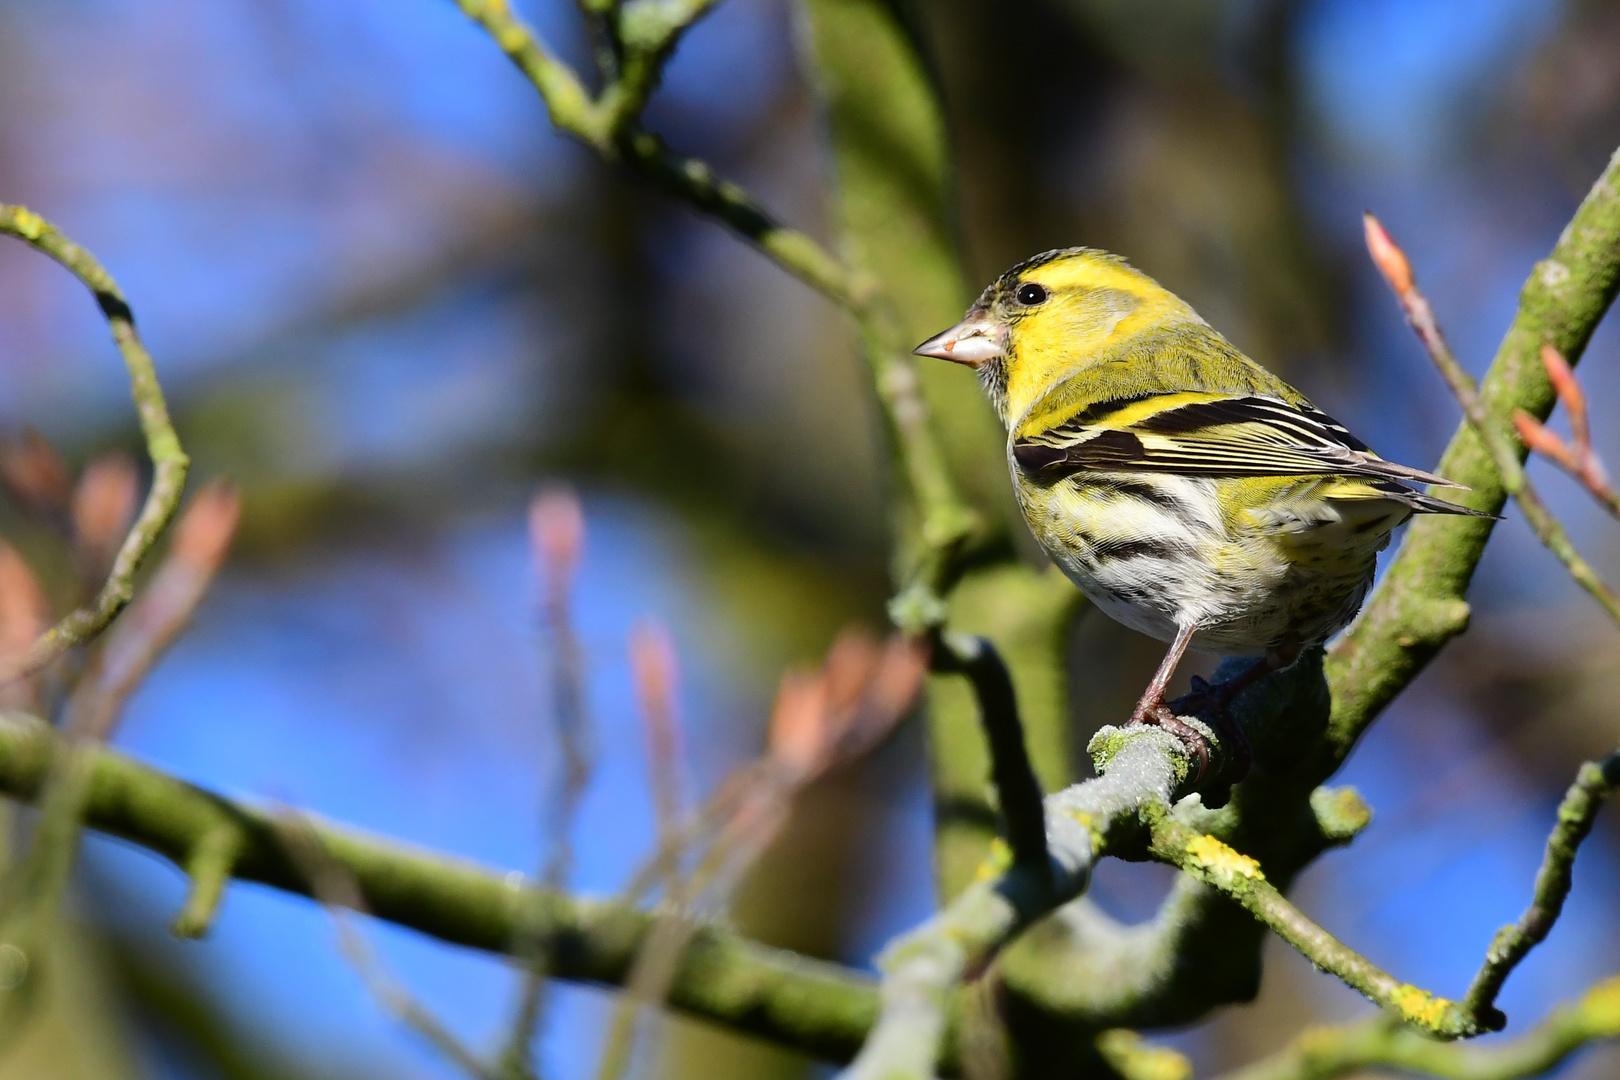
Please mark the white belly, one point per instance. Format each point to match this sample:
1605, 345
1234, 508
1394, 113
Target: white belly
1155, 564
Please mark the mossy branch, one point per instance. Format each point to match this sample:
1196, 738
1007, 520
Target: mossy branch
1577, 812
1505, 453
1240, 877
1145, 768
1419, 605
642, 35
169, 461
795, 1001
1384, 1043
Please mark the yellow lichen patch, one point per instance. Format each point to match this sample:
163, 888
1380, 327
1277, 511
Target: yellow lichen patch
1601, 1004
1135, 1059
1420, 1007
27, 223
1217, 858
995, 863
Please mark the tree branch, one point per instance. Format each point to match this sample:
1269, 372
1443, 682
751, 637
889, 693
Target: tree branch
1017, 789
1240, 877
809, 1005
1328, 1053
1419, 605
1576, 813
645, 32
1146, 767
1505, 454
169, 461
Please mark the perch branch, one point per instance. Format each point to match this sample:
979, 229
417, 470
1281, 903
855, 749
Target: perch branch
1392, 263
169, 461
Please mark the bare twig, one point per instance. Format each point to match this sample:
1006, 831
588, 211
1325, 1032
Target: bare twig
642, 36
201, 539
169, 461
1017, 789
820, 720
653, 668
1383, 1043
1579, 459
1393, 264
34, 889
340, 894
35, 475
1241, 878
557, 539
1576, 813
25, 612
103, 506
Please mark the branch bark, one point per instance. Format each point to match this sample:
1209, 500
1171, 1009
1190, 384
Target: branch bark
169, 462
816, 1007
1419, 605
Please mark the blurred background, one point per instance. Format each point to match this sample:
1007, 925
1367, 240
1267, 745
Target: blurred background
389, 302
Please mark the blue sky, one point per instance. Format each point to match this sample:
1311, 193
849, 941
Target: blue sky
398, 687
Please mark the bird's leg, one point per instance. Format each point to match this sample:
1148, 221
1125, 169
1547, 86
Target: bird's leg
1152, 709
1222, 694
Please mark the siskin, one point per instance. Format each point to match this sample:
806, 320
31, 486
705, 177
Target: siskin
1191, 494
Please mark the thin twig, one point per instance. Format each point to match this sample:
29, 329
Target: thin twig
169, 461
1241, 878
1017, 789
1580, 460
817, 1007
644, 34
557, 539
337, 890
653, 668
25, 612
1384, 1043
34, 889
1593, 785
1393, 264
127, 655
163, 610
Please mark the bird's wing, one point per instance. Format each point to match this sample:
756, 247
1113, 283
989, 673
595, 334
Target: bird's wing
1249, 435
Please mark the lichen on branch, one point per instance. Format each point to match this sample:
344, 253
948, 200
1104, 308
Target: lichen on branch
169, 461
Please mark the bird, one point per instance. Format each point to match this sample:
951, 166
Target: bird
1191, 494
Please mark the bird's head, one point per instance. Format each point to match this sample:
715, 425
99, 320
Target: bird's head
1049, 316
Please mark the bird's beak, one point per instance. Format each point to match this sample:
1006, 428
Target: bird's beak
972, 342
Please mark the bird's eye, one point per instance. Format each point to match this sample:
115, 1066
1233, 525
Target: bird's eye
1030, 294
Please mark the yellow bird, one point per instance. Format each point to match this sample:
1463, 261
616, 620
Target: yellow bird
1191, 494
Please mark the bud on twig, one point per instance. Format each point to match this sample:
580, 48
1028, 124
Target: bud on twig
103, 506
35, 475
1387, 256
24, 614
